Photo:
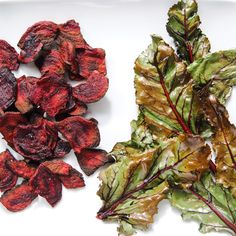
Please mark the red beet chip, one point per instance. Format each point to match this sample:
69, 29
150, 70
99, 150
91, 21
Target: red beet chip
7, 88
18, 198
73, 180
47, 185
52, 62
90, 60
52, 94
37, 37
7, 178
93, 89
58, 167
70, 31
35, 141
91, 159
79, 132
8, 122
8, 56
62, 148
21, 168
25, 86
79, 109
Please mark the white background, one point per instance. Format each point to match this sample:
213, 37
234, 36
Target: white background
122, 28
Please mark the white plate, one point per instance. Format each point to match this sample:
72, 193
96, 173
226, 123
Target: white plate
122, 28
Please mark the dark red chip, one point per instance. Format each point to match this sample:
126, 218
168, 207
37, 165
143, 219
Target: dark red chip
7, 88
79, 132
37, 37
8, 122
25, 86
62, 148
7, 178
18, 198
93, 89
8, 56
52, 62
21, 168
90, 60
58, 167
35, 141
52, 94
79, 109
91, 159
70, 31
47, 185
73, 180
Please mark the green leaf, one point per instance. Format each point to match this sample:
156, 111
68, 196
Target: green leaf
183, 26
132, 187
164, 92
218, 71
203, 202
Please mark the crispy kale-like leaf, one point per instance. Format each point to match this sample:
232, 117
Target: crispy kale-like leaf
208, 203
132, 188
223, 142
218, 71
183, 27
164, 92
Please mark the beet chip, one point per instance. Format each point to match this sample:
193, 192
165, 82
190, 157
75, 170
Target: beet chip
73, 180
20, 168
93, 89
47, 185
8, 122
25, 86
91, 159
70, 31
7, 88
79, 109
51, 94
18, 198
7, 178
37, 37
79, 132
8, 56
62, 148
35, 141
52, 62
58, 167
90, 60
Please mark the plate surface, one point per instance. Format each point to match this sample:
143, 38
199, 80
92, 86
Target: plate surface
122, 28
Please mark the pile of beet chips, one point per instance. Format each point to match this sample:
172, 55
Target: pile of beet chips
42, 119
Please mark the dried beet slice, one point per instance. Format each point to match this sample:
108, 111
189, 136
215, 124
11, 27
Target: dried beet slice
52, 94
21, 168
18, 198
37, 37
91, 159
7, 88
79, 109
8, 56
90, 60
25, 86
73, 180
93, 89
52, 62
8, 122
70, 31
7, 178
47, 185
79, 132
35, 142
58, 167
62, 148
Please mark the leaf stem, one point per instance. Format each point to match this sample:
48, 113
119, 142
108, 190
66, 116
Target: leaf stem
217, 212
